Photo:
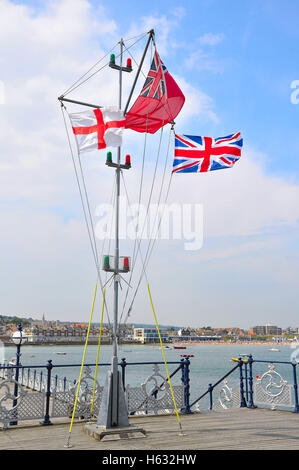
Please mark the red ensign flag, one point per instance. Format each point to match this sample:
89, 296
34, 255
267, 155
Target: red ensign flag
159, 102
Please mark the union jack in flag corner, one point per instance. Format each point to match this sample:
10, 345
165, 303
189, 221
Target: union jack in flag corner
194, 154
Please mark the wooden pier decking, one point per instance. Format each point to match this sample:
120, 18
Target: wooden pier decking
236, 429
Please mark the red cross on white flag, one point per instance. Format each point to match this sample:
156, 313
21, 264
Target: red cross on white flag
98, 128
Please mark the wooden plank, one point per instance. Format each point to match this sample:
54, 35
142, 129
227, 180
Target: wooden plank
235, 429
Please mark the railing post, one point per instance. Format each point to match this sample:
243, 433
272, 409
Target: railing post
186, 380
210, 390
243, 401
183, 370
34, 379
250, 392
47, 421
183, 377
123, 365
246, 380
15, 401
41, 381
296, 409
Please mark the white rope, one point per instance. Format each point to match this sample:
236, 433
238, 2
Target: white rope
129, 283
112, 201
140, 193
149, 200
128, 51
136, 37
77, 85
71, 88
152, 240
89, 224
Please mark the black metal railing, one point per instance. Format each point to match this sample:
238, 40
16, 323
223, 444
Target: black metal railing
40, 378
246, 373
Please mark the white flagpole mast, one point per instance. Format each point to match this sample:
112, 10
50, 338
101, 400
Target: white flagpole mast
116, 274
113, 411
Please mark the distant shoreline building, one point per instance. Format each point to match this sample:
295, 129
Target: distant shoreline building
267, 330
150, 335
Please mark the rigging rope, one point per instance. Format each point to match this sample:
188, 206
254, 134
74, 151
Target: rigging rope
70, 89
146, 262
112, 201
77, 85
139, 196
89, 229
81, 370
88, 208
151, 249
128, 51
165, 362
165, 104
129, 283
135, 37
98, 354
152, 240
135, 253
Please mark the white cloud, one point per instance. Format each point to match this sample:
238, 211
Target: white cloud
43, 237
200, 60
179, 12
164, 26
198, 105
203, 58
210, 39
243, 201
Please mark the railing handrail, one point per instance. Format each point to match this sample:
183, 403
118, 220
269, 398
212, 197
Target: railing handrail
14, 366
275, 362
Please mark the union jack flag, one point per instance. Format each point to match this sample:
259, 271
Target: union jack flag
154, 86
194, 154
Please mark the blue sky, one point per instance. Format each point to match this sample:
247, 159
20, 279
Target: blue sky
235, 62
248, 72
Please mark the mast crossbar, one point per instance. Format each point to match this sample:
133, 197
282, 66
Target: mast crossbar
61, 98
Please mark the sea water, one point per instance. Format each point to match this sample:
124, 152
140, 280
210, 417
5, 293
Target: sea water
209, 364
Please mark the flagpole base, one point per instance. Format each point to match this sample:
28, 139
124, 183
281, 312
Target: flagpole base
113, 410
101, 433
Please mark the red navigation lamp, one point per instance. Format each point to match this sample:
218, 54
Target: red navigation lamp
126, 263
129, 63
128, 160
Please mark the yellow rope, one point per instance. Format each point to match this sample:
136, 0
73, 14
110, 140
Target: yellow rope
98, 355
82, 365
167, 371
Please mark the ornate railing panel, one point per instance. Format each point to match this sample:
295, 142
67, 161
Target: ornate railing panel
63, 401
154, 395
26, 405
228, 397
268, 390
272, 390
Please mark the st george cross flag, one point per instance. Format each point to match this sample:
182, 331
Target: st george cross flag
194, 154
159, 102
98, 128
